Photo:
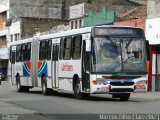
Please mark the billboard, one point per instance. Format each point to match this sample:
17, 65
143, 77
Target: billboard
4, 5
4, 53
153, 31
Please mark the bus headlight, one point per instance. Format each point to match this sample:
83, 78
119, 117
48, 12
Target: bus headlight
102, 82
142, 82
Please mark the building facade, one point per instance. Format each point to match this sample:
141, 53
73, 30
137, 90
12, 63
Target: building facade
153, 35
76, 15
4, 14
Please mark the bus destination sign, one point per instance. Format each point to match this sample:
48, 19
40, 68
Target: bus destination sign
118, 31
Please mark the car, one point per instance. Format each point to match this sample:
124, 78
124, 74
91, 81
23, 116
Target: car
2, 77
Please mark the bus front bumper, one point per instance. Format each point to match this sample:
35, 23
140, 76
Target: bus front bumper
104, 89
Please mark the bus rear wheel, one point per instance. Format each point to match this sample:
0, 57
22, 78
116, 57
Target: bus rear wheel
21, 88
45, 90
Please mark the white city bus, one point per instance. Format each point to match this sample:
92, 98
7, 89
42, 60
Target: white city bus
92, 60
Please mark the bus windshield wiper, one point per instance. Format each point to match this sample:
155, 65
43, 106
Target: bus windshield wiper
109, 38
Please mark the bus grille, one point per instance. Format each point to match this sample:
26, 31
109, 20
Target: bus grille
121, 90
122, 83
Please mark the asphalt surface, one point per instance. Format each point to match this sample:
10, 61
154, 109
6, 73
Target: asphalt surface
63, 106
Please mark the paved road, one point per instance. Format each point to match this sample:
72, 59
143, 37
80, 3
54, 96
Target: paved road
36, 106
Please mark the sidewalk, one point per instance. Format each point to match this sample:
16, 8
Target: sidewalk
147, 95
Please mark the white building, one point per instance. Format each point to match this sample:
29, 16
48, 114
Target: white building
153, 35
4, 14
76, 15
4, 35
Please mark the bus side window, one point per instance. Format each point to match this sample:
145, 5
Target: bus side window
49, 49
28, 50
43, 50
12, 57
18, 53
67, 48
10, 54
23, 52
55, 50
76, 47
61, 49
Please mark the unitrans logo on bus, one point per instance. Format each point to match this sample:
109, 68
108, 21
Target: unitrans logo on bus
65, 67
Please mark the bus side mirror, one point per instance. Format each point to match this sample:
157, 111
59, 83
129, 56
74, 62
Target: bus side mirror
88, 45
148, 50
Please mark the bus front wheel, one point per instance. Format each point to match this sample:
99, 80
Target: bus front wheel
122, 96
77, 91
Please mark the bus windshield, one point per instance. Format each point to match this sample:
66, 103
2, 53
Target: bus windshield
118, 54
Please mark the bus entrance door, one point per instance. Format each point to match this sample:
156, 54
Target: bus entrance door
55, 51
13, 59
85, 68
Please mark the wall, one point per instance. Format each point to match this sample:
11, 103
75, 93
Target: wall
29, 27
15, 27
120, 6
3, 29
153, 9
35, 9
60, 28
15, 31
95, 18
3, 17
136, 23
4, 5
3, 42
77, 11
